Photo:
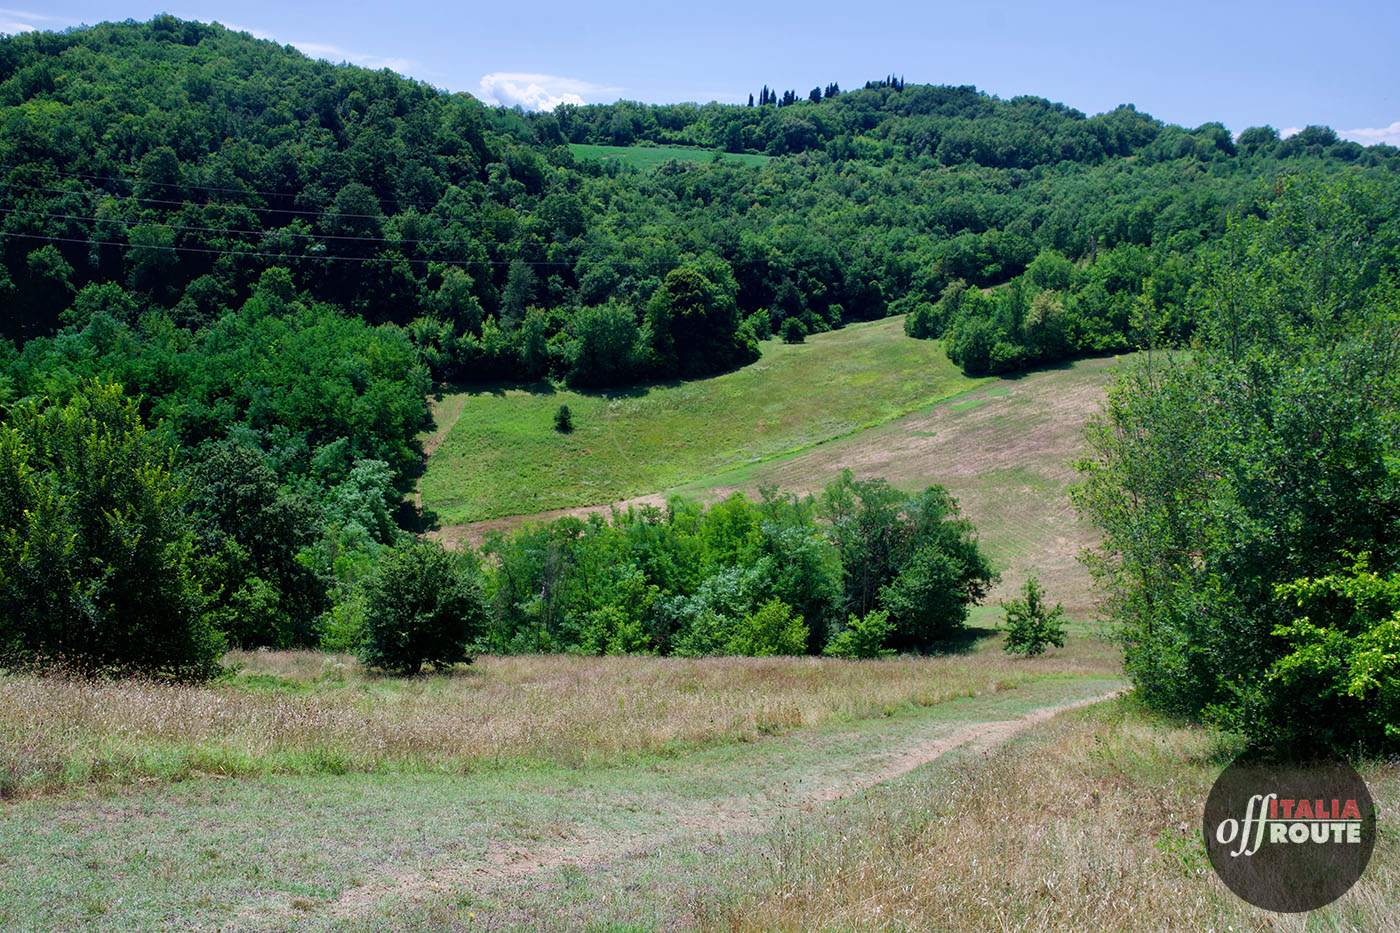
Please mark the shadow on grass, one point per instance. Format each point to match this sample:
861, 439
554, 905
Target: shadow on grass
1070, 363
964, 641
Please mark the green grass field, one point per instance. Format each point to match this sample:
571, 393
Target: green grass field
501, 455
567, 780
647, 158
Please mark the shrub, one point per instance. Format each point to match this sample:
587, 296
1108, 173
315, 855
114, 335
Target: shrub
914, 556
1339, 682
563, 420
421, 605
772, 630
1031, 625
343, 626
794, 331
862, 637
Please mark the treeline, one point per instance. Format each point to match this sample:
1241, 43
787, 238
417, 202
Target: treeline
1126, 298
779, 576
114, 557
1249, 490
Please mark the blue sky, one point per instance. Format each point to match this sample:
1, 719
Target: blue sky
1281, 63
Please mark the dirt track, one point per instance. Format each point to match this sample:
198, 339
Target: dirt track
844, 772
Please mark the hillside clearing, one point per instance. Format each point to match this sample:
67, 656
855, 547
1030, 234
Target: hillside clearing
1004, 448
649, 157
502, 457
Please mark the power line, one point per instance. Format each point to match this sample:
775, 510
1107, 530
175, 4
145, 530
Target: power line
391, 241
170, 203
395, 260
129, 181
477, 221
271, 231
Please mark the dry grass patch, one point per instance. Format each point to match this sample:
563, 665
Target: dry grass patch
1091, 824
308, 712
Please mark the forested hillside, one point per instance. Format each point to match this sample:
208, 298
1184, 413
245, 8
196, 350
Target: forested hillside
274, 258
178, 161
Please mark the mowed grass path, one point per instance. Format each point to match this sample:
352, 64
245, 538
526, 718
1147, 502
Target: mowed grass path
503, 457
649, 157
389, 849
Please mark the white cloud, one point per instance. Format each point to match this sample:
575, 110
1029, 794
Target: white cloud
336, 54
13, 22
535, 91
1288, 131
1369, 137
255, 33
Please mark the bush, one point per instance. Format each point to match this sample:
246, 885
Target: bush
1030, 624
421, 605
772, 630
794, 331
1339, 682
563, 420
98, 566
915, 557
862, 637
1263, 458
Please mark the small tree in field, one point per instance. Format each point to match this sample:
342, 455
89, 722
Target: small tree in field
422, 604
794, 331
563, 420
1030, 624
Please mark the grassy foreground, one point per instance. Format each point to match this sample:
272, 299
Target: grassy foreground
501, 455
1091, 822
649, 157
311, 713
584, 841
1087, 822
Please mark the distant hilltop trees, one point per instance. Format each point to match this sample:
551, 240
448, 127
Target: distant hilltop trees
767, 97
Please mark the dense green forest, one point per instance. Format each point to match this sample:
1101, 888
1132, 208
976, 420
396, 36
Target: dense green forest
231, 275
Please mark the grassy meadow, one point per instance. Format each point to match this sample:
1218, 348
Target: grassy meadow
495, 451
438, 802
649, 157
303, 712
1091, 822
1004, 449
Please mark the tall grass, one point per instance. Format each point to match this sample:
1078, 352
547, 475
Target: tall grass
306, 712
1092, 823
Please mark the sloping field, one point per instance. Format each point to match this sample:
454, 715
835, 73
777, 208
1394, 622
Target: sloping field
1004, 448
496, 453
649, 157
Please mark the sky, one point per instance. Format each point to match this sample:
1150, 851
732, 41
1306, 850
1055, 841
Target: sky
1243, 64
